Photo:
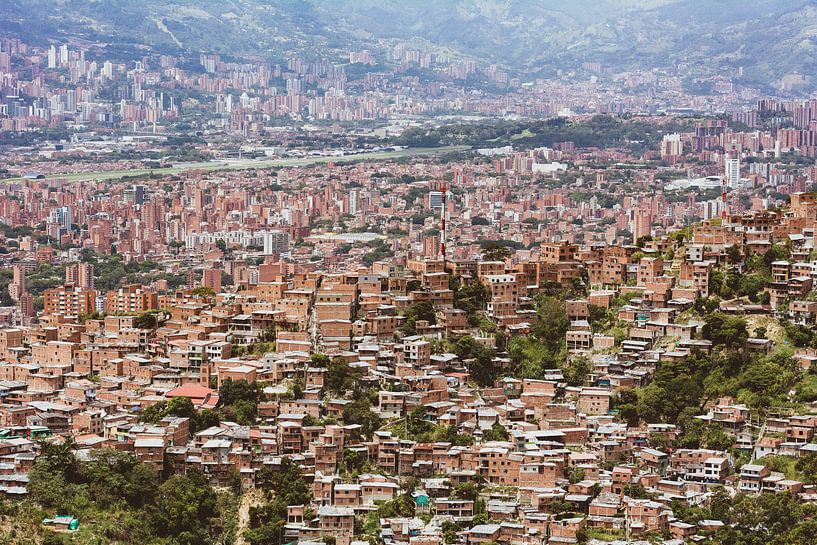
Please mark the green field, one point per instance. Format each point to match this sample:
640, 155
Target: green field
247, 164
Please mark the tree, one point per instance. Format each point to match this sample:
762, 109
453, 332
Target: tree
416, 422
423, 310
203, 291
799, 335
495, 252
676, 387
719, 504
286, 481
531, 357
626, 403
203, 419
576, 371
243, 412
112, 476
468, 490
545, 347
807, 466
177, 406
284, 486
734, 255
705, 305
183, 508
340, 377
360, 412
778, 519
146, 320
479, 358
724, 330
598, 317
470, 297
659, 441
235, 390
551, 322
636, 491
126, 498
181, 407
496, 433
699, 434
238, 401
54, 478
353, 461
449, 531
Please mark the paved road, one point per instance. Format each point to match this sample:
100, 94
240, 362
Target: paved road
247, 164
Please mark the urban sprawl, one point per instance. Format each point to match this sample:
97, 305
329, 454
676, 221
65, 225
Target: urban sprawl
520, 343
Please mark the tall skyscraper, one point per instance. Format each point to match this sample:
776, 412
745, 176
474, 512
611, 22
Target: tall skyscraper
135, 194
276, 242
671, 146
435, 200
191, 278
62, 217
642, 224
80, 274
212, 279
52, 57
18, 287
732, 167
26, 305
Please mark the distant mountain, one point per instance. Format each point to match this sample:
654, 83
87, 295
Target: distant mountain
765, 39
243, 27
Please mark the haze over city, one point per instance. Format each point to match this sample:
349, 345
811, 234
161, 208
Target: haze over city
452, 272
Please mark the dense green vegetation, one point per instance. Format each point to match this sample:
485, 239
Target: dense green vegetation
238, 402
339, 377
342, 380
419, 426
730, 282
377, 250
545, 347
423, 310
281, 486
601, 131
767, 519
110, 272
181, 407
479, 359
470, 297
118, 499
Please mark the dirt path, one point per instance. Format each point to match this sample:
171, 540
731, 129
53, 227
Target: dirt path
773, 329
250, 498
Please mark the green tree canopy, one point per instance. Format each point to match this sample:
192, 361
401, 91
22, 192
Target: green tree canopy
724, 330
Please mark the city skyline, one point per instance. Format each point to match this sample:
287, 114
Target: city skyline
521, 272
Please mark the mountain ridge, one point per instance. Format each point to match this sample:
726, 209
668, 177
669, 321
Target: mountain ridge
756, 42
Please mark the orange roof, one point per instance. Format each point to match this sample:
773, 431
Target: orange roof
209, 402
193, 391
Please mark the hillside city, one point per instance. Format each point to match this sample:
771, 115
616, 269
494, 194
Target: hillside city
403, 299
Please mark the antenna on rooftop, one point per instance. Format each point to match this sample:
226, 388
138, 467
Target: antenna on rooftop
444, 189
723, 197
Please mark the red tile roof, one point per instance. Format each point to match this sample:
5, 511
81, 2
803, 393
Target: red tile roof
197, 394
